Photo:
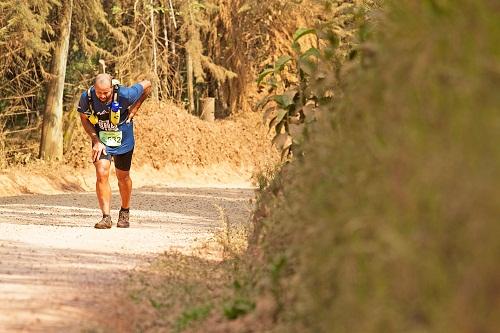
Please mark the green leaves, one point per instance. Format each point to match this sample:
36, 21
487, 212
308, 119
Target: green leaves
307, 64
263, 74
301, 32
190, 316
294, 92
311, 52
279, 65
277, 120
238, 307
286, 99
116, 9
283, 101
330, 36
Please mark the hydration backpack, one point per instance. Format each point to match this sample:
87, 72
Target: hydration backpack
93, 117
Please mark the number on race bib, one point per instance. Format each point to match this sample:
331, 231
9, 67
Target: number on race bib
111, 138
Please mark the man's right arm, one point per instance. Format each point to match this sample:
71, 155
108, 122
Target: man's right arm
89, 128
98, 147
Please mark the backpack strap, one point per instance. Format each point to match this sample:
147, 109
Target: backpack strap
89, 100
116, 88
115, 108
91, 117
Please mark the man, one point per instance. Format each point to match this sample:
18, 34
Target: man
106, 112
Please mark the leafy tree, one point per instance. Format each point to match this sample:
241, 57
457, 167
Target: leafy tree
196, 17
306, 80
25, 45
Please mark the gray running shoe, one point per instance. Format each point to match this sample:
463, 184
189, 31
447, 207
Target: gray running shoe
123, 217
105, 223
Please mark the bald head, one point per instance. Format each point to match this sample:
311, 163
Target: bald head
103, 87
102, 81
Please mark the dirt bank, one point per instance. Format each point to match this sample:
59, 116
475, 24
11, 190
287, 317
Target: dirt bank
167, 135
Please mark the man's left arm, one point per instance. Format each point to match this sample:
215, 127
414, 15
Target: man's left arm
146, 85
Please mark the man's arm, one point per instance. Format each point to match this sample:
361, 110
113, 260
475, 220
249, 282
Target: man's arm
98, 147
146, 84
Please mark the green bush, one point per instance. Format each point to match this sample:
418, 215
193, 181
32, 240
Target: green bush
190, 316
390, 221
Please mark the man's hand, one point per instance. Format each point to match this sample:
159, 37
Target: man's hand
131, 115
146, 85
97, 149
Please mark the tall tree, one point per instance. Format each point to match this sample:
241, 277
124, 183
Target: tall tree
24, 51
51, 145
155, 56
197, 24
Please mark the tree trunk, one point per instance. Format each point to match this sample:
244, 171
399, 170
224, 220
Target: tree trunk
155, 60
166, 60
172, 16
190, 89
208, 109
51, 145
72, 121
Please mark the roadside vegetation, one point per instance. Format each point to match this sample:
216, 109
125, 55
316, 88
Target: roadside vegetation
386, 218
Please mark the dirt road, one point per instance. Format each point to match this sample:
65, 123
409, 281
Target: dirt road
55, 267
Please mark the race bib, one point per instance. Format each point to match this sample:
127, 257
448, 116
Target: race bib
111, 138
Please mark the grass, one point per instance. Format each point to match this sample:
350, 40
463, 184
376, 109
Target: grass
179, 292
176, 292
189, 316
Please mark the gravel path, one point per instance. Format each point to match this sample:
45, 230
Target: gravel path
54, 266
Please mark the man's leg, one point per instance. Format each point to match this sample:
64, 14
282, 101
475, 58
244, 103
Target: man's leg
122, 167
103, 191
125, 186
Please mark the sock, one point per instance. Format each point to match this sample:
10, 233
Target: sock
105, 215
124, 209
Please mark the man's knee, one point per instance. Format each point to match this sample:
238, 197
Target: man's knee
123, 176
102, 170
102, 174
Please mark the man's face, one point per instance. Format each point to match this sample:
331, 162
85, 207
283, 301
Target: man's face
103, 93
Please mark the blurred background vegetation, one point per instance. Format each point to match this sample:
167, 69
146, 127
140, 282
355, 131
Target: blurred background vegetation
188, 49
388, 219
